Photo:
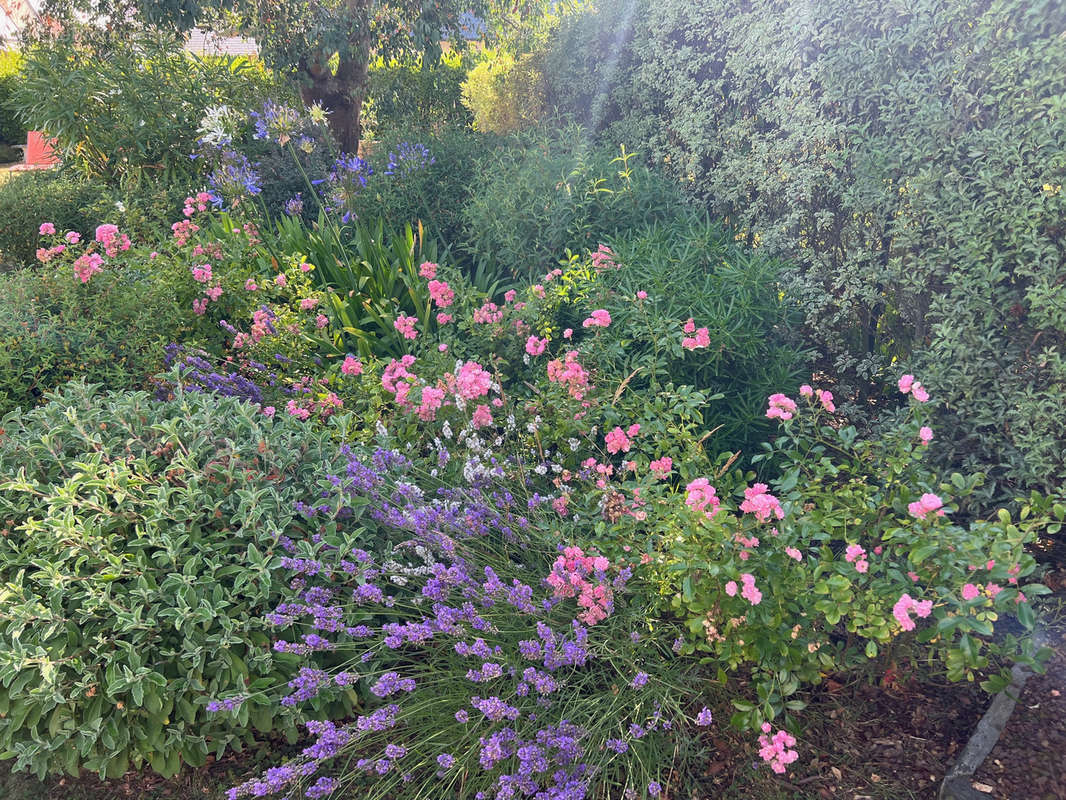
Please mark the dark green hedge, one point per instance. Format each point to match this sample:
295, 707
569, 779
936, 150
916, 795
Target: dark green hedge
907, 159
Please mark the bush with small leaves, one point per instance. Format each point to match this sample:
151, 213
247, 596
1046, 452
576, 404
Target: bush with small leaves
136, 559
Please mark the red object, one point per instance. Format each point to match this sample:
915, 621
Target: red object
39, 150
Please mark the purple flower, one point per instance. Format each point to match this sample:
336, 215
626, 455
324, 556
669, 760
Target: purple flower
494, 708
321, 788
390, 683
446, 760
703, 719
620, 746
654, 789
640, 681
378, 720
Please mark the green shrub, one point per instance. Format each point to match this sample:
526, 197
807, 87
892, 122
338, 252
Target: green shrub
29, 198
856, 534
906, 161
590, 65
142, 206
505, 94
419, 97
12, 130
530, 202
136, 563
435, 195
692, 269
157, 98
110, 331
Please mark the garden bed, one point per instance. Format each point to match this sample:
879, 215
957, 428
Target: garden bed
890, 741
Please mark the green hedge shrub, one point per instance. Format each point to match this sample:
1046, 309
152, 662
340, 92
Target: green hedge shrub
12, 130
506, 94
419, 97
156, 99
909, 162
435, 195
143, 206
29, 198
110, 331
692, 268
530, 202
136, 560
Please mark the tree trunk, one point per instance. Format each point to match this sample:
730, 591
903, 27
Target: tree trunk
342, 96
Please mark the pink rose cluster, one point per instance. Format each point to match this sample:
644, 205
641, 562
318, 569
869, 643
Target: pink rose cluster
470, 382
603, 259
906, 604
780, 407
747, 591
112, 240
568, 372
907, 384
701, 496
758, 501
662, 467
575, 574
406, 326
925, 505
535, 346
825, 398
599, 318
776, 750
701, 339
352, 366
203, 274
183, 231
619, 441
197, 203
87, 265
324, 407
855, 554
488, 313
441, 293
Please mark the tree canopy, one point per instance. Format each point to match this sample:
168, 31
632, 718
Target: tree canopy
326, 45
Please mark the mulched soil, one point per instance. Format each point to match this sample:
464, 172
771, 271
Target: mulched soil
1029, 760
894, 740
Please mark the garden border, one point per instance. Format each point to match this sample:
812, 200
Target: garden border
958, 783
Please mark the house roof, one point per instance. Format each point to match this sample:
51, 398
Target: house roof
15, 15
209, 43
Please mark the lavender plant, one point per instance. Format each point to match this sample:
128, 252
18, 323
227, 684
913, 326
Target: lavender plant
479, 682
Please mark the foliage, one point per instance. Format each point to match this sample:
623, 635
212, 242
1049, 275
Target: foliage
136, 559
424, 96
589, 66
12, 131
530, 202
690, 269
857, 535
28, 198
505, 94
112, 331
131, 109
908, 162
502, 415
434, 196
326, 45
142, 205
